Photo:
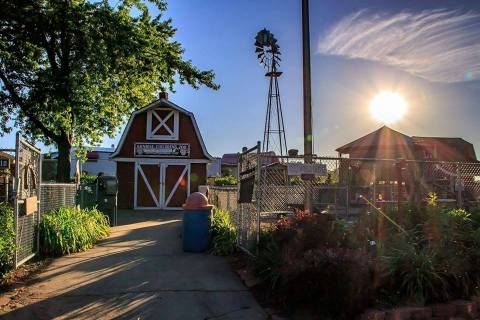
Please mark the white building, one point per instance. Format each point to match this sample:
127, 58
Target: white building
214, 168
98, 160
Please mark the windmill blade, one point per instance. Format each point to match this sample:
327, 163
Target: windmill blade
258, 49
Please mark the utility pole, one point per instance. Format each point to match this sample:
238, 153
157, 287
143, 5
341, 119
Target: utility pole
307, 104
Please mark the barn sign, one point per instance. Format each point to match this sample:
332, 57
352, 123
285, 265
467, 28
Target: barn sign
162, 149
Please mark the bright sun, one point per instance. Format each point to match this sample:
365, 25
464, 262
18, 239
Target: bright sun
388, 107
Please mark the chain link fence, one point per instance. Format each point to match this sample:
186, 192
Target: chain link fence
56, 195
271, 186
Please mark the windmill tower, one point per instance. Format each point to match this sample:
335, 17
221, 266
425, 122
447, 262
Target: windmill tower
269, 55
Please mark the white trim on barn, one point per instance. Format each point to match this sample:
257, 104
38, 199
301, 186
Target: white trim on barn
162, 123
162, 102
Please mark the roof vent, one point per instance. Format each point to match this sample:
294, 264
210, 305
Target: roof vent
164, 95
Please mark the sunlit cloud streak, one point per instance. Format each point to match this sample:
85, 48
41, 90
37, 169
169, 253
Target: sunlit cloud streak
438, 45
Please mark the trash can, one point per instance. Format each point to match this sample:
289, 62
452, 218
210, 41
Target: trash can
196, 223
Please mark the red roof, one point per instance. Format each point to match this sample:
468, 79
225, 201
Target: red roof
452, 149
446, 149
230, 159
383, 137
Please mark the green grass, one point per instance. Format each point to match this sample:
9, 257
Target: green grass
69, 230
224, 233
7, 238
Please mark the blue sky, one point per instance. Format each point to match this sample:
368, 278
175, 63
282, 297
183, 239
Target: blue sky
219, 35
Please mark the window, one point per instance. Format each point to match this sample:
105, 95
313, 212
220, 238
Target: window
162, 124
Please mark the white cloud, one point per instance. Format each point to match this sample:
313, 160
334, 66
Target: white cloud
438, 45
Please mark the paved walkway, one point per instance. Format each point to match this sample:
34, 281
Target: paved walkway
139, 272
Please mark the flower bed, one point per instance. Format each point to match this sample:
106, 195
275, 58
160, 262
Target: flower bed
337, 269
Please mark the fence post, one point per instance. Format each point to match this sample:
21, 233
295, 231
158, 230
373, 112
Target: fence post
259, 192
239, 205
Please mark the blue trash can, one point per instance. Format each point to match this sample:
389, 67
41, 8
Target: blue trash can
196, 223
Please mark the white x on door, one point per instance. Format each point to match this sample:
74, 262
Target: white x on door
161, 186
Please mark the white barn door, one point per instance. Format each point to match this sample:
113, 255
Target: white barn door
161, 186
176, 185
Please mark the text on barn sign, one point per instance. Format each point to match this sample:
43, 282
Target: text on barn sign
162, 149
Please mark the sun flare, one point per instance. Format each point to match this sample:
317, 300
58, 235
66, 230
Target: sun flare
388, 107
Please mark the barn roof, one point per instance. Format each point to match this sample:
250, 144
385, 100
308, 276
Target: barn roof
162, 102
383, 137
451, 149
455, 148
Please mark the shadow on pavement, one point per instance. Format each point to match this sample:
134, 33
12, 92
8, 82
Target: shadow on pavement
139, 272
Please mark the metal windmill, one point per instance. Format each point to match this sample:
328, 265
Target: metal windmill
269, 55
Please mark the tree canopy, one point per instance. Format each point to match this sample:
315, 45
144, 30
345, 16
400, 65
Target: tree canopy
72, 71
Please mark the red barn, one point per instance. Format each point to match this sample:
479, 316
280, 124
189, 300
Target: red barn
161, 157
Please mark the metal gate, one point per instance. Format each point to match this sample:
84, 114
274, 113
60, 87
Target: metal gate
247, 215
27, 200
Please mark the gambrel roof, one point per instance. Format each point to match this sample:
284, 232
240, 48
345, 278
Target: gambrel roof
165, 103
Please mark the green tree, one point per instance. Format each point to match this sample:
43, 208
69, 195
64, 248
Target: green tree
72, 71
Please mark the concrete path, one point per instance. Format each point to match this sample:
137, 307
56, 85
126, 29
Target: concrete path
139, 272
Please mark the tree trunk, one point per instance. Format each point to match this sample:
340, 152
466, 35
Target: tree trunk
64, 161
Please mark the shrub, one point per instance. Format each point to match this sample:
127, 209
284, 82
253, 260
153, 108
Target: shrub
224, 233
69, 230
87, 178
437, 260
225, 181
309, 260
416, 274
336, 282
7, 238
268, 263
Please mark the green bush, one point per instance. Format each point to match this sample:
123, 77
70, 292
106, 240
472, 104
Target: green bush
224, 233
87, 178
7, 238
438, 259
225, 181
69, 230
416, 274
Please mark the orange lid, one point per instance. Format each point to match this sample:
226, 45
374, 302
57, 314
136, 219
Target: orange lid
197, 201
